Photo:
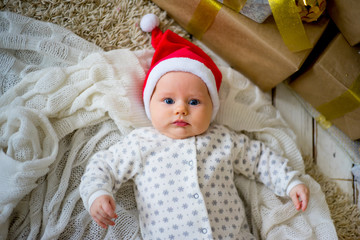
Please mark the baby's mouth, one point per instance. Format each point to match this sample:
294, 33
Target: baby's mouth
180, 123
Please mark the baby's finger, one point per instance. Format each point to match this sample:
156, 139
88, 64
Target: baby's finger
108, 222
304, 201
296, 201
105, 218
109, 209
99, 222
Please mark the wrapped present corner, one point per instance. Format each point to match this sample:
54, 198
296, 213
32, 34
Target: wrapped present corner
346, 15
332, 86
256, 50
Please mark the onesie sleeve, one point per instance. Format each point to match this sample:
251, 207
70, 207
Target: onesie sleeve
108, 169
257, 161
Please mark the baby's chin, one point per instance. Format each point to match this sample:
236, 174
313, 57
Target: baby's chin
178, 136
181, 133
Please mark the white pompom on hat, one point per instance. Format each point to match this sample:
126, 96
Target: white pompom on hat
149, 22
174, 53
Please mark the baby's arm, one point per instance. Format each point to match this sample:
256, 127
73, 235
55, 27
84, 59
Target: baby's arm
300, 196
265, 165
102, 210
104, 174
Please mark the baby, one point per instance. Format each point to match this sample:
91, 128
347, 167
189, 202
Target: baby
183, 166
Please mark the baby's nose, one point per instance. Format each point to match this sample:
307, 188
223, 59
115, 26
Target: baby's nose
181, 109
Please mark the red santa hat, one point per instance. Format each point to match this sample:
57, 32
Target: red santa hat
174, 53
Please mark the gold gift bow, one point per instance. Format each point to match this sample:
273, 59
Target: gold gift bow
285, 14
343, 104
311, 10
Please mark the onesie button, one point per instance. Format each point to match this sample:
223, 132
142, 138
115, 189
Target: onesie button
204, 230
196, 196
191, 163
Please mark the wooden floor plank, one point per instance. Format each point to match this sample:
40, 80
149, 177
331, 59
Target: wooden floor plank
297, 118
333, 161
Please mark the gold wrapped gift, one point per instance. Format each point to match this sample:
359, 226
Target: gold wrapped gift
332, 86
346, 15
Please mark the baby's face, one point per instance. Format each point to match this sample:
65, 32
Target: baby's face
181, 106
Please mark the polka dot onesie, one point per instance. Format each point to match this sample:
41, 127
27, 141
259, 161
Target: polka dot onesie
184, 187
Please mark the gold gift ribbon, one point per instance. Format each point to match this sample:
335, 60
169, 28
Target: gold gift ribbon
235, 5
289, 23
285, 13
203, 17
345, 103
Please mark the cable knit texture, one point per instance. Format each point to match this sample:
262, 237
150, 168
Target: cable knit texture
64, 99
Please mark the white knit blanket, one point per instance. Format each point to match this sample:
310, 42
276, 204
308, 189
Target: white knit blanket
63, 98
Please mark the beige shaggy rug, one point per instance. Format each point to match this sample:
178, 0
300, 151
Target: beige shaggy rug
114, 25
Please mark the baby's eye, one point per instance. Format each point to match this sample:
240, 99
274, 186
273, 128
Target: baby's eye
168, 101
194, 102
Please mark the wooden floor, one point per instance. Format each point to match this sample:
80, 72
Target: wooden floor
316, 142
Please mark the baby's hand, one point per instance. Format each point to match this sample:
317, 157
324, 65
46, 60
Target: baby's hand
102, 211
300, 196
